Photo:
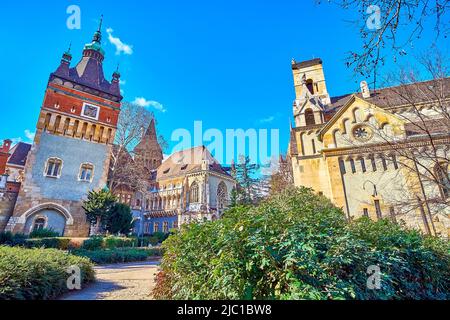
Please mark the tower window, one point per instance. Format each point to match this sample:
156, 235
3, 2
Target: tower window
342, 166
309, 117
378, 209
374, 164
352, 165
363, 165
383, 161
365, 212
86, 172
310, 85
53, 168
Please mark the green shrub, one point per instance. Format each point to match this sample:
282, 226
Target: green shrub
43, 233
93, 243
31, 274
297, 245
54, 243
112, 242
118, 255
10, 239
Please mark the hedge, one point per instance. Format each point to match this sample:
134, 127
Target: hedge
118, 255
298, 245
38, 274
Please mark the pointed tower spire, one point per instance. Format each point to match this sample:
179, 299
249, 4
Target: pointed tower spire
98, 34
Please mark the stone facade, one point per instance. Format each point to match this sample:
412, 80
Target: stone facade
342, 147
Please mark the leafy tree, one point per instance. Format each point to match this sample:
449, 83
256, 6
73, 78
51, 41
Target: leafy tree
245, 174
298, 245
98, 207
119, 219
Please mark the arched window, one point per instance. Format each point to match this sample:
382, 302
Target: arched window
39, 223
443, 179
86, 172
193, 193
48, 117
221, 196
310, 86
53, 168
309, 117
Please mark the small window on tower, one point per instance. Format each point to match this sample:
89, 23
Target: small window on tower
53, 168
86, 172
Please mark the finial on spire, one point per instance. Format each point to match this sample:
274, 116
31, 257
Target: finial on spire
70, 47
100, 24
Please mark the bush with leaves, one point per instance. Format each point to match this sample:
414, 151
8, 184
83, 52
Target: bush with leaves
117, 255
297, 245
38, 274
119, 218
43, 233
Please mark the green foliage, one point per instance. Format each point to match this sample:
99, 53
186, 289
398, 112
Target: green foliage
43, 233
109, 242
112, 242
10, 239
119, 219
31, 274
54, 243
118, 255
98, 205
93, 243
245, 174
297, 245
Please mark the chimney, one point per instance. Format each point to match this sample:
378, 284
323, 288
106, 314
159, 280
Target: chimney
365, 89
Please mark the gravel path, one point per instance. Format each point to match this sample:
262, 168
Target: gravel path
129, 281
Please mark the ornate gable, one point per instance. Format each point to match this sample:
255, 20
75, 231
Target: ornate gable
358, 123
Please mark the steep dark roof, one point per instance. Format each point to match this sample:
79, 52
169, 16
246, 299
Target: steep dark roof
19, 154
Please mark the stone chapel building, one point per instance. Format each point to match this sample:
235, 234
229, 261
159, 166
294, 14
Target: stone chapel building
354, 149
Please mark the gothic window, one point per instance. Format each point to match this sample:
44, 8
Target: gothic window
313, 146
53, 168
392, 214
394, 161
155, 227
443, 179
363, 164
309, 117
39, 223
378, 209
86, 172
384, 163
165, 226
365, 212
310, 85
352, 165
193, 193
175, 224
221, 196
374, 164
342, 166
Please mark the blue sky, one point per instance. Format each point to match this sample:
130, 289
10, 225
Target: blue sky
226, 63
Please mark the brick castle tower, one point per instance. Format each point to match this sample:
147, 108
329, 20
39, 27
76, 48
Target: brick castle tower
71, 150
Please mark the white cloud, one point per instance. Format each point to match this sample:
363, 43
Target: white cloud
267, 120
29, 137
122, 82
120, 46
142, 102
